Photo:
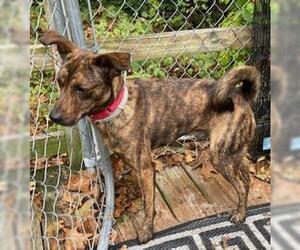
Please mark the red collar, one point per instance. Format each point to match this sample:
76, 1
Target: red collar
113, 109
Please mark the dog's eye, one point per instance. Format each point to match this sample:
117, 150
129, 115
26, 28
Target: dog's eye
80, 90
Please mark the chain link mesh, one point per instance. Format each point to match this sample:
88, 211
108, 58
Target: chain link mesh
66, 198
184, 39
165, 34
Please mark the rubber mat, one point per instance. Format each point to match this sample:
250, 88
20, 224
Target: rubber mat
215, 232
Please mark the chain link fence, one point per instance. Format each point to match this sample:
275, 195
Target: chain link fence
184, 39
172, 38
71, 206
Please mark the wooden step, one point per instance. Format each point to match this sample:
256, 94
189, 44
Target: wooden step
181, 194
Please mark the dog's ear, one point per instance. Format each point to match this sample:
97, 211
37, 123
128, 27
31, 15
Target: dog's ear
64, 46
112, 64
115, 63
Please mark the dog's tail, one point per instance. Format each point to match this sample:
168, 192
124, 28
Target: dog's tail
245, 78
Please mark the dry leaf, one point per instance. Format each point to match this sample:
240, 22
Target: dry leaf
189, 156
207, 170
79, 183
67, 197
127, 190
263, 174
86, 209
52, 234
52, 161
176, 158
37, 200
124, 247
95, 191
262, 169
68, 202
202, 159
90, 225
75, 239
118, 167
122, 203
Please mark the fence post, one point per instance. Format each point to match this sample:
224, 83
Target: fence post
261, 145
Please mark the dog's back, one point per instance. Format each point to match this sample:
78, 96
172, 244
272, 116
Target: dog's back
174, 107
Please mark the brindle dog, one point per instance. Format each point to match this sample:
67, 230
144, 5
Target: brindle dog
158, 112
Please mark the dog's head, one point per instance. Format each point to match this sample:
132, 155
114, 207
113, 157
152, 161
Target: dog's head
87, 81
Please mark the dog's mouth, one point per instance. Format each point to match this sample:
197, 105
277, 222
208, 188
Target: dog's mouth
65, 121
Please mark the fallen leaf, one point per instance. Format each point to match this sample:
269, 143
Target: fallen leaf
95, 191
262, 169
69, 202
122, 203
86, 209
37, 200
90, 225
67, 197
52, 233
118, 167
202, 159
263, 174
52, 161
189, 156
176, 158
74, 239
80, 183
207, 170
124, 247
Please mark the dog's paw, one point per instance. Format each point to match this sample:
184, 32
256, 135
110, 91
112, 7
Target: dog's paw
144, 233
238, 217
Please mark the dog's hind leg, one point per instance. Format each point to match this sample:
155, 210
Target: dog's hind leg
235, 170
231, 134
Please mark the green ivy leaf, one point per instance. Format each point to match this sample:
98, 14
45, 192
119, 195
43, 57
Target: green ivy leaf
247, 12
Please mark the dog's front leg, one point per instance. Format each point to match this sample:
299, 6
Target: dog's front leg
146, 177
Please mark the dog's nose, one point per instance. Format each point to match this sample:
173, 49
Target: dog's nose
55, 117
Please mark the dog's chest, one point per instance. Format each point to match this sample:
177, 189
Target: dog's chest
115, 140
